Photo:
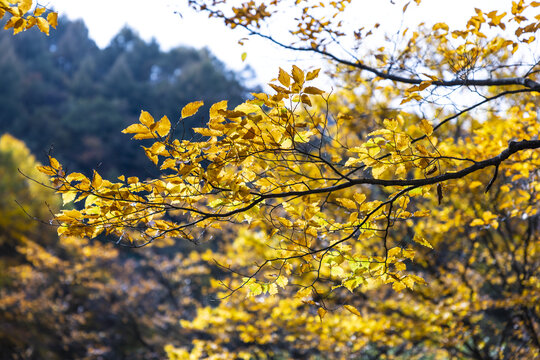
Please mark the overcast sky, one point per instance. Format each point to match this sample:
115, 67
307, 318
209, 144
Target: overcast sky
159, 19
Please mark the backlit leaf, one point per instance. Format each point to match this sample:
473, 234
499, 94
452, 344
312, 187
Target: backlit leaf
191, 108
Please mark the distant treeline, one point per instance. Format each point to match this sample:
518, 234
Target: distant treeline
64, 94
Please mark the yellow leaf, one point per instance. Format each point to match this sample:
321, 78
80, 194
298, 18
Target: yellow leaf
417, 279
30, 21
54, 163
398, 286
422, 241
146, 119
272, 289
208, 132
135, 128
474, 185
255, 289
243, 56
285, 222
284, 78
68, 197
352, 309
321, 312
313, 90
408, 281
395, 251
163, 126
43, 25
348, 203
39, 11
426, 127
282, 281
298, 75
337, 271
312, 231
408, 253
422, 213
305, 100
312, 74
47, 170
279, 89
402, 142
75, 177
97, 180
390, 124
52, 18
440, 25
141, 136
359, 197
214, 109
191, 109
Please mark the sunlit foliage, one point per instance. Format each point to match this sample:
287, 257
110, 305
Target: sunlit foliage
22, 18
373, 221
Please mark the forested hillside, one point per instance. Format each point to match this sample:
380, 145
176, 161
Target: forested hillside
65, 93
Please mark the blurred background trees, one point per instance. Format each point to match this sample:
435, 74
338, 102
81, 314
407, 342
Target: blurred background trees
63, 87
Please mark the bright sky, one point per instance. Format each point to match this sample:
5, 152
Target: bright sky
157, 19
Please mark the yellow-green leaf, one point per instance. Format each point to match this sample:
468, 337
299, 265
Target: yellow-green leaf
68, 197
282, 281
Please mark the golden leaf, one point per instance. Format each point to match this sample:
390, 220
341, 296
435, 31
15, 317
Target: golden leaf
214, 109
422, 241
284, 78
146, 119
348, 203
38, 11
426, 127
191, 109
298, 75
352, 309
68, 197
321, 312
97, 180
313, 90
52, 18
312, 74
135, 128
163, 126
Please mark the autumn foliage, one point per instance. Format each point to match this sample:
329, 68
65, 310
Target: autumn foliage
394, 217
22, 19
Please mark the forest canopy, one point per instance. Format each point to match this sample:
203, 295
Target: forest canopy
395, 216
